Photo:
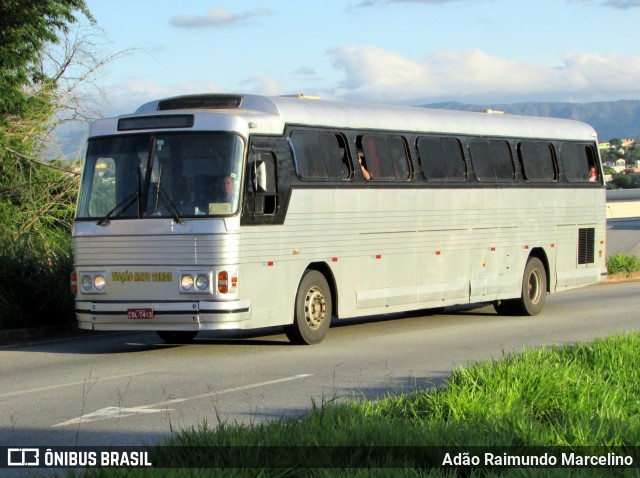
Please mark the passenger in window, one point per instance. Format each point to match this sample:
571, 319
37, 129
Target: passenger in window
593, 176
363, 168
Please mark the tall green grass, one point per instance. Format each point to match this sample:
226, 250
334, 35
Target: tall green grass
582, 395
623, 263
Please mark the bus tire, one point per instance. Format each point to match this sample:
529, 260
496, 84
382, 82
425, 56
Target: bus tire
534, 292
176, 337
313, 310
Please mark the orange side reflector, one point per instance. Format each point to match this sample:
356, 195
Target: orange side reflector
74, 283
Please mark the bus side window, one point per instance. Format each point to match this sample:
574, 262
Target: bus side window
538, 160
569, 152
385, 156
593, 164
441, 158
320, 155
491, 159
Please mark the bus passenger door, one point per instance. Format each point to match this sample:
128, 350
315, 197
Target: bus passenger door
261, 194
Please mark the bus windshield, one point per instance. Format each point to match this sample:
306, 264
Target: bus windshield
162, 175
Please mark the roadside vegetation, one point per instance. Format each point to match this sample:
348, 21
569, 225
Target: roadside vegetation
50, 56
623, 263
581, 395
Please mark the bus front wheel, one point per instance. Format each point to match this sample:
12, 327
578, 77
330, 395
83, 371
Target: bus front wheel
534, 292
313, 309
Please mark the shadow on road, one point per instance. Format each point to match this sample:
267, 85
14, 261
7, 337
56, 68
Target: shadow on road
97, 343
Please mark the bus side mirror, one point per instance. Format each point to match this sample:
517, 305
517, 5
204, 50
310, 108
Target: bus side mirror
260, 178
264, 183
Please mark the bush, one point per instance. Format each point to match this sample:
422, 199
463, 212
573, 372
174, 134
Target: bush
34, 281
623, 263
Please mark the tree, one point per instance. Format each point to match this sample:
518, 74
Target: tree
35, 199
26, 27
625, 181
30, 193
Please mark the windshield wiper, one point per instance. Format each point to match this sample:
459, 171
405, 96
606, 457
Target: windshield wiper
166, 200
123, 205
168, 203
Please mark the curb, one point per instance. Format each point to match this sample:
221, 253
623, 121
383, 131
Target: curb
622, 277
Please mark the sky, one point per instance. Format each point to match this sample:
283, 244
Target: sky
405, 52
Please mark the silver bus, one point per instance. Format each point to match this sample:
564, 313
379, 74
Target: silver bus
229, 212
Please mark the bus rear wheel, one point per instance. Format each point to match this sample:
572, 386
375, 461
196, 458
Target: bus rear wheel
313, 310
534, 292
175, 337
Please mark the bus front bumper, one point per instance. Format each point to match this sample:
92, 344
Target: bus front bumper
176, 316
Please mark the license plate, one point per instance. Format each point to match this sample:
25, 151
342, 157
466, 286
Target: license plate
140, 313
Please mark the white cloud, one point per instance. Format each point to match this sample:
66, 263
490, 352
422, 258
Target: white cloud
376, 75
619, 4
263, 85
373, 3
304, 71
622, 4
216, 17
426, 2
478, 76
126, 96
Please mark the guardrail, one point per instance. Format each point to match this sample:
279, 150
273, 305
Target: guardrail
624, 222
623, 195
623, 205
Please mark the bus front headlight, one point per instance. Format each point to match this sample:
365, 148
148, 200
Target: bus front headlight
93, 282
99, 282
195, 282
87, 283
186, 282
202, 282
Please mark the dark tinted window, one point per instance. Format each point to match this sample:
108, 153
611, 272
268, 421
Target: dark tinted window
538, 161
441, 158
385, 157
320, 155
576, 159
492, 159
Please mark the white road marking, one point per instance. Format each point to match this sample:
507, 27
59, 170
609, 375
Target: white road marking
90, 380
106, 414
117, 412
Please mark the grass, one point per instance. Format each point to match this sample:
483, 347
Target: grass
623, 263
582, 395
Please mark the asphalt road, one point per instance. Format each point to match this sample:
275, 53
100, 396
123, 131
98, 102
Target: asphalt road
122, 389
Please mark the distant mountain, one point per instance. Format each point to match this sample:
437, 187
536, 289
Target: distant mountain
611, 119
